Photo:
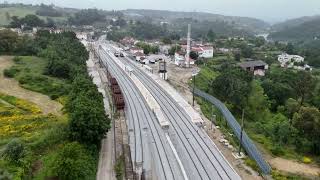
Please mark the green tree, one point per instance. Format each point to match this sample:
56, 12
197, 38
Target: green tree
166, 40
307, 121
280, 130
88, 122
73, 161
258, 104
32, 20
194, 55
237, 56
4, 175
247, 52
290, 48
8, 42
14, 151
304, 85
211, 36
174, 49
291, 107
232, 86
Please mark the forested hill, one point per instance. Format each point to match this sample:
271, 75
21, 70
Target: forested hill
161, 15
303, 29
293, 22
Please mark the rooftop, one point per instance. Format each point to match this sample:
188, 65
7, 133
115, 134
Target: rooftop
252, 64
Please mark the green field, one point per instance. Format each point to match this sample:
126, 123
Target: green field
21, 12
30, 72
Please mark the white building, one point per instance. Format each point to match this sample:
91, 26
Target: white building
293, 61
180, 59
136, 50
139, 56
204, 51
286, 59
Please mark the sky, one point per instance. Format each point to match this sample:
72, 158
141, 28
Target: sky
269, 10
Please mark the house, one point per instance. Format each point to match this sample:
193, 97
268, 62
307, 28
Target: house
157, 57
180, 59
164, 49
139, 56
128, 41
293, 61
203, 51
287, 60
134, 50
257, 67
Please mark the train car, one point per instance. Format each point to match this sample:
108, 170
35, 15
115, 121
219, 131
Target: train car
117, 96
116, 89
113, 82
118, 101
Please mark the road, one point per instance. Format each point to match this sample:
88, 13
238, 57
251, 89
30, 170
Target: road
199, 156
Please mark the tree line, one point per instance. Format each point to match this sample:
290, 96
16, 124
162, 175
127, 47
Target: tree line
282, 106
87, 121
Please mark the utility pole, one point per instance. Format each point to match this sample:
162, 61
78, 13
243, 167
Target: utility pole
194, 86
242, 126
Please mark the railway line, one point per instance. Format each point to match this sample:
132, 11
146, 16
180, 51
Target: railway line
141, 120
201, 157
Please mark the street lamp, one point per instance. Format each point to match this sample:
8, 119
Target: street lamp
194, 74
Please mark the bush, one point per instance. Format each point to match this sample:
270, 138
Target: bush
4, 175
14, 151
17, 60
306, 160
10, 73
277, 150
73, 161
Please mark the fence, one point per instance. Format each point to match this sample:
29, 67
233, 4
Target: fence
247, 144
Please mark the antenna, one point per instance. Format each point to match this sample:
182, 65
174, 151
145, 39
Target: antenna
188, 47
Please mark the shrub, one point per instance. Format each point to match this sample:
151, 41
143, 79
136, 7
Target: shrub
4, 175
73, 161
9, 73
17, 60
14, 151
306, 160
277, 150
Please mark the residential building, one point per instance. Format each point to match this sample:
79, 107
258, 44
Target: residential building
287, 60
258, 68
204, 51
139, 56
164, 49
128, 41
180, 59
134, 50
293, 61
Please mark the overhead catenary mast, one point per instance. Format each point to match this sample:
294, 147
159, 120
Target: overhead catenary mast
188, 46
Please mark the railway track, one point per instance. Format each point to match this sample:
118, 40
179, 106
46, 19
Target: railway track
198, 150
138, 112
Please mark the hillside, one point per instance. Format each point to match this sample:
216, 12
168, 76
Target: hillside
304, 31
8, 11
252, 24
293, 22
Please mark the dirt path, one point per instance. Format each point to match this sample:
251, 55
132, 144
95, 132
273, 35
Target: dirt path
11, 87
293, 167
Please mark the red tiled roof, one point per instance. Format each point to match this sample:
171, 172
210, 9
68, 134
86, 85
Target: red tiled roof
139, 54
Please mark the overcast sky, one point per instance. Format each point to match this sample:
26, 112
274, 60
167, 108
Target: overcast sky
268, 10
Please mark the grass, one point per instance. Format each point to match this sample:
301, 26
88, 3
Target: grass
14, 11
22, 12
39, 133
30, 70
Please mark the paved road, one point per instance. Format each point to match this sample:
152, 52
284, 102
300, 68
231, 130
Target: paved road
150, 149
199, 156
